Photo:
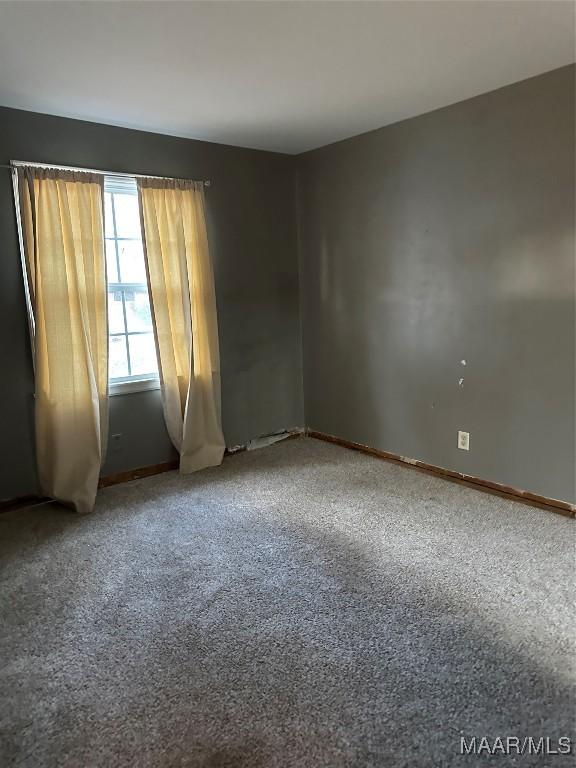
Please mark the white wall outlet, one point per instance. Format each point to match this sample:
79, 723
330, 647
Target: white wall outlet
464, 441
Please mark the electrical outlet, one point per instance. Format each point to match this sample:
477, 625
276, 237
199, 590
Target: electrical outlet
464, 441
116, 441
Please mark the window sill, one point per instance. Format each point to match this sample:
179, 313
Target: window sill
133, 385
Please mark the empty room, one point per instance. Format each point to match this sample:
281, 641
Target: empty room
288, 393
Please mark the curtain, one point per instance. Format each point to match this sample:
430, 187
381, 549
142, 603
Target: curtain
63, 239
184, 315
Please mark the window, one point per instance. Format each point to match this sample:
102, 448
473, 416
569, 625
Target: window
132, 350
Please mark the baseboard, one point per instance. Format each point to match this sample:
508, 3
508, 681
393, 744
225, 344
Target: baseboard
525, 497
496, 489
136, 474
21, 502
167, 466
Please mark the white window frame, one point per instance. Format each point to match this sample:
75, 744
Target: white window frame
126, 384
142, 384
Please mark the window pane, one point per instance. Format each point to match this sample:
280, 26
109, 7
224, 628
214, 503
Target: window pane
131, 340
132, 269
138, 311
108, 221
142, 354
111, 265
118, 364
115, 313
127, 215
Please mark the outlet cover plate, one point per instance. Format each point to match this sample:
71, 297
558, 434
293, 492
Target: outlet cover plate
464, 441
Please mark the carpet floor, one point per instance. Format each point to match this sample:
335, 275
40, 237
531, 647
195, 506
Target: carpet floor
302, 605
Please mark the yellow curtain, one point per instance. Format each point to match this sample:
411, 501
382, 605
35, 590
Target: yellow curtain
63, 234
184, 313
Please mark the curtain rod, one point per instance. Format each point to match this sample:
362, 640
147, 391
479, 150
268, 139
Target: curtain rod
20, 163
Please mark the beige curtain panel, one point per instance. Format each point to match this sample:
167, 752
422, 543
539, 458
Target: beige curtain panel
63, 238
184, 314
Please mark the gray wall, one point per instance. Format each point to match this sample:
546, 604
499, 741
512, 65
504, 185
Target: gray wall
251, 222
444, 238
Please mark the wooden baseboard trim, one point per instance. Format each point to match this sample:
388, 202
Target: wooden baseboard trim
22, 502
124, 477
136, 474
496, 489
167, 466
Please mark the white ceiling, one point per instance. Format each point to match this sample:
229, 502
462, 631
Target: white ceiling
286, 76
